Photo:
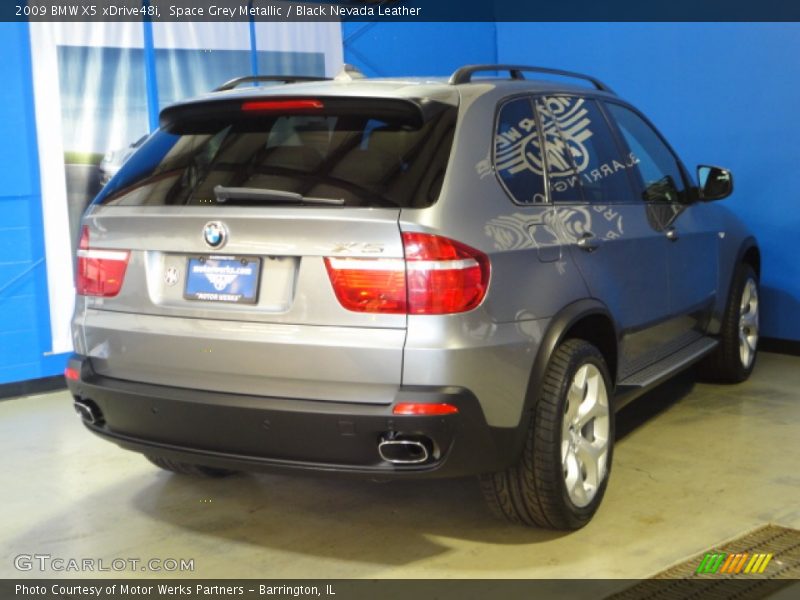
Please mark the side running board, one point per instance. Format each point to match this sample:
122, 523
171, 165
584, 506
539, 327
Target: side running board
654, 374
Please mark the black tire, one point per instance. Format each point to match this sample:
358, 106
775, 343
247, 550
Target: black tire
534, 491
183, 468
725, 364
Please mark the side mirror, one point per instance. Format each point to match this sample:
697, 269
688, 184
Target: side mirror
716, 183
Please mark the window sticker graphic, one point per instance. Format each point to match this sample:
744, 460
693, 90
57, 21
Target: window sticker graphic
576, 153
570, 119
554, 226
517, 148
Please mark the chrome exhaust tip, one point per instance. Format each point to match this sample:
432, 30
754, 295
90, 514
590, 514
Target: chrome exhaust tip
400, 451
88, 412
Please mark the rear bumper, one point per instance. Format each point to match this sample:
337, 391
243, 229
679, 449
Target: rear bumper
255, 433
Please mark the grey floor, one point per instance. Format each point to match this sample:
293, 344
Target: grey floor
695, 464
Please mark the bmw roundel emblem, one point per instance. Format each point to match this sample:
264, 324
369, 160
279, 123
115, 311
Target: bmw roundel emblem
215, 234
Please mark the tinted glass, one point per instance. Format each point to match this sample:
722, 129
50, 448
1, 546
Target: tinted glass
587, 155
656, 165
517, 152
364, 159
562, 171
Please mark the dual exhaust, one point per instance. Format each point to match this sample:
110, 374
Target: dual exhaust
393, 448
88, 412
405, 450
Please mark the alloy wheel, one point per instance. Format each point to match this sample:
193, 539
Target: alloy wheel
584, 435
748, 323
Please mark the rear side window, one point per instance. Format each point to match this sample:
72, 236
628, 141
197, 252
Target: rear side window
560, 152
582, 159
587, 156
517, 152
361, 159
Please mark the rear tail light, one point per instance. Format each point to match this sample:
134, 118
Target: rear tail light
374, 285
100, 272
444, 276
72, 374
438, 276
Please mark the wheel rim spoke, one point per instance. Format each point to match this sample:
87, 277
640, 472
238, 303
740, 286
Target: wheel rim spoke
575, 484
592, 406
580, 377
750, 319
572, 469
579, 492
574, 398
592, 457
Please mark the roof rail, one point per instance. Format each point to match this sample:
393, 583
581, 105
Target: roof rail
233, 83
464, 74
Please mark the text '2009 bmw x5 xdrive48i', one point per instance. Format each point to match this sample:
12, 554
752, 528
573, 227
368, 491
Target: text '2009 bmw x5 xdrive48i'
405, 278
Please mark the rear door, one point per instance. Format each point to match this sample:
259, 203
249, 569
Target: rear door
611, 234
233, 220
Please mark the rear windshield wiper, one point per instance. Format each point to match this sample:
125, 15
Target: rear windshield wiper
232, 194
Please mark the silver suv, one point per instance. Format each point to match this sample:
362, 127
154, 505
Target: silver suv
406, 278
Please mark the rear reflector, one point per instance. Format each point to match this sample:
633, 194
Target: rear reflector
437, 276
100, 272
424, 409
284, 106
71, 374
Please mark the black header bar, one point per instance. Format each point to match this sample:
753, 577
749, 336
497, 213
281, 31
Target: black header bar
395, 589
399, 10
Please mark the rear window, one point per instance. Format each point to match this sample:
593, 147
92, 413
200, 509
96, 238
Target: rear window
373, 156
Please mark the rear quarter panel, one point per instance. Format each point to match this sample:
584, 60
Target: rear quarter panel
490, 350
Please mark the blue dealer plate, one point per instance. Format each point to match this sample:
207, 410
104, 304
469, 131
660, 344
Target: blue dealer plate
229, 279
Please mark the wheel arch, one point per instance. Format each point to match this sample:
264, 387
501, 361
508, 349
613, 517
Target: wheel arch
587, 319
749, 253
724, 364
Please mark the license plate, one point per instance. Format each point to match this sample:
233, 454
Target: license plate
223, 279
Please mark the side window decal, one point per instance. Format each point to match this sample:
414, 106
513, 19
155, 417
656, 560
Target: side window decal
583, 158
575, 154
517, 152
517, 148
566, 128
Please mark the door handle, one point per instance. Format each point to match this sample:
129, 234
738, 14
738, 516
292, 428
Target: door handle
672, 234
588, 242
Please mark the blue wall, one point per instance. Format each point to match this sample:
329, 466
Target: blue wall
726, 94
387, 49
24, 313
